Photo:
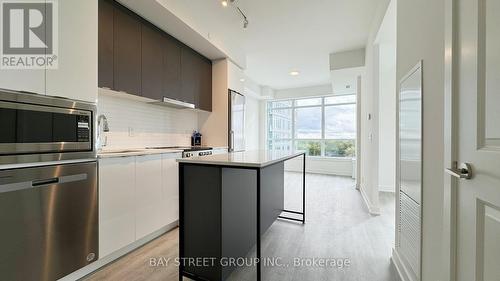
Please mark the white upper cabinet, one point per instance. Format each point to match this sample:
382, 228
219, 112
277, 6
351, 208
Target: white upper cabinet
75, 49
23, 80
18, 72
76, 75
149, 214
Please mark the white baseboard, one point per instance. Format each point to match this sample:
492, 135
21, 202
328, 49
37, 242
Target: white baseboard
404, 274
82, 272
372, 209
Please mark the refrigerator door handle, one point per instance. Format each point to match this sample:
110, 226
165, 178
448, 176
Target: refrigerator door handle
231, 145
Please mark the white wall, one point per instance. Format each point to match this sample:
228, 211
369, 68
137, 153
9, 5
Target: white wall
386, 39
387, 118
347, 59
369, 106
252, 123
135, 124
214, 125
329, 166
320, 90
420, 36
263, 124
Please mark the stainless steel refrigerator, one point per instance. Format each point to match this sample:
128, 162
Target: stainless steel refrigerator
236, 121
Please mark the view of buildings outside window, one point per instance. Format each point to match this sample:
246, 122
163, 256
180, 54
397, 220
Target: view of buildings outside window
322, 126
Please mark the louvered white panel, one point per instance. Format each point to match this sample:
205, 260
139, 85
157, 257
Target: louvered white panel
409, 232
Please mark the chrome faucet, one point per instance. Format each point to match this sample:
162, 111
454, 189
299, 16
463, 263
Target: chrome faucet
102, 123
102, 118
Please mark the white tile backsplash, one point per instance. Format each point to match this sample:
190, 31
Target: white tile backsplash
136, 124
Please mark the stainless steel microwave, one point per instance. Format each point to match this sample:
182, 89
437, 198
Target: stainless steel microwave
35, 128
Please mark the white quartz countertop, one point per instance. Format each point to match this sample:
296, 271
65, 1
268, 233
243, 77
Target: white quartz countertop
125, 152
252, 158
134, 152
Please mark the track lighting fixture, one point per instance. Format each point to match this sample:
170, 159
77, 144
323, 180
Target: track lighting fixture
245, 20
226, 3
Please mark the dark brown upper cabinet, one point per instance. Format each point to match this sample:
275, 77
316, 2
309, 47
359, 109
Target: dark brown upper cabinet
172, 68
196, 73
190, 75
105, 42
138, 58
126, 51
152, 62
205, 94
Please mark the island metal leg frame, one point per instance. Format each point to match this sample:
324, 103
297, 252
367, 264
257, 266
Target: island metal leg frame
303, 213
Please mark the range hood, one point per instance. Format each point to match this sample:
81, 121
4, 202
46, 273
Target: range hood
174, 103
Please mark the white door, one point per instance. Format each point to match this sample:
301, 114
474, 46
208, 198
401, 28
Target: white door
478, 139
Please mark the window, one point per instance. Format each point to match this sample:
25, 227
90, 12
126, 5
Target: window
322, 127
308, 123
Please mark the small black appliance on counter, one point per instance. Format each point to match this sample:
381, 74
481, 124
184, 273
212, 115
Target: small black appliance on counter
196, 139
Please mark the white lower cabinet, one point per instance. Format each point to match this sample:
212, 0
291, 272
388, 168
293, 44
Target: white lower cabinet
170, 187
149, 216
138, 195
116, 204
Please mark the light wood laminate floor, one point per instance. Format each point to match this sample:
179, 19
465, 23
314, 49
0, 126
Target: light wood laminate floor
337, 226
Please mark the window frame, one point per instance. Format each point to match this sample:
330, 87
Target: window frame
293, 140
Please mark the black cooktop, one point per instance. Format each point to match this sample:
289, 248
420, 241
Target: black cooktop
184, 148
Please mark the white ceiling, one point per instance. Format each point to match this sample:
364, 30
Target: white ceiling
283, 35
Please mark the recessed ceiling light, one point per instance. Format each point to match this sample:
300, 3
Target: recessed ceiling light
242, 79
224, 3
294, 73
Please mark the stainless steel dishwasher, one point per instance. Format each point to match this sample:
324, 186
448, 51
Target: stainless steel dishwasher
49, 221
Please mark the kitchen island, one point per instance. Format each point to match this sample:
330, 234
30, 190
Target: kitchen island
226, 203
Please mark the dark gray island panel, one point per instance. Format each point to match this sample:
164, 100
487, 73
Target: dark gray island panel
201, 215
272, 194
227, 202
239, 214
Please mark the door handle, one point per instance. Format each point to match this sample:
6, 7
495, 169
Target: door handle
464, 172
